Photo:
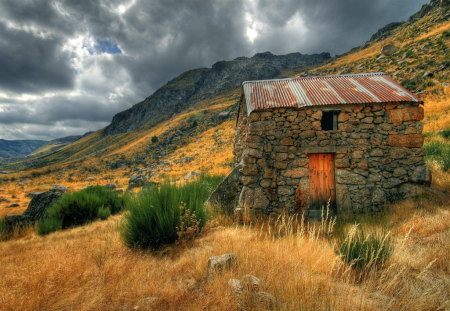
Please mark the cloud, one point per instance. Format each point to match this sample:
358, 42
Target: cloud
69, 66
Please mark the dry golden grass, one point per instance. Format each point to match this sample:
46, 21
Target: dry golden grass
88, 268
211, 150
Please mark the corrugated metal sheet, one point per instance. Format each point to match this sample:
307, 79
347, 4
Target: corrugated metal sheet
324, 90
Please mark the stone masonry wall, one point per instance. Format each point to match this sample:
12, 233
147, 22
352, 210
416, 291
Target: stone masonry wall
377, 149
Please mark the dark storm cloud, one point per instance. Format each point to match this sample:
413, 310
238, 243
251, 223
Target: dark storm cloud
80, 62
32, 64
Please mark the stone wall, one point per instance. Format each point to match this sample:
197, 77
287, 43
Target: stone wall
377, 150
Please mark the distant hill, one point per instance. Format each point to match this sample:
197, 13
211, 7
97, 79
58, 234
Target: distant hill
21, 148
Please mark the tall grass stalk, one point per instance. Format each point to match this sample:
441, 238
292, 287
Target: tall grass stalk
363, 250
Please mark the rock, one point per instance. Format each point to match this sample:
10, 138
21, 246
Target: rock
378, 197
13, 205
389, 50
137, 181
405, 114
253, 198
90, 178
264, 300
235, 286
421, 175
350, 178
250, 283
111, 186
2, 199
220, 263
224, 114
226, 195
37, 209
185, 160
190, 175
59, 188
408, 140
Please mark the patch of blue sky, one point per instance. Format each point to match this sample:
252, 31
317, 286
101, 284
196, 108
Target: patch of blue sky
105, 47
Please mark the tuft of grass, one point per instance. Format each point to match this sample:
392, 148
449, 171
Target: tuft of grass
81, 207
438, 151
159, 215
2, 228
103, 213
49, 225
364, 251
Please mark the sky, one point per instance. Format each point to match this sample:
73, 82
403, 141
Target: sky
67, 66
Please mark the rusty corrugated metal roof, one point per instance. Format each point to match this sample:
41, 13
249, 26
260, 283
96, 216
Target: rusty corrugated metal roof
324, 90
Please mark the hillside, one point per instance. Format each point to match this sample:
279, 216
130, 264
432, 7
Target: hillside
18, 148
205, 83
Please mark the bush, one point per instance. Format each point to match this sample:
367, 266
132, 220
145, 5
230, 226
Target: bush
155, 139
445, 133
2, 228
49, 225
439, 152
160, 215
103, 213
78, 208
364, 251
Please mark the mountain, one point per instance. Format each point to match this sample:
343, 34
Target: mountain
19, 148
22, 148
204, 83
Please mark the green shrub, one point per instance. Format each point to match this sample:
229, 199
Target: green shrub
445, 134
155, 139
159, 215
103, 213
364, 251
49, 225
78, 208
439, 152
2, 228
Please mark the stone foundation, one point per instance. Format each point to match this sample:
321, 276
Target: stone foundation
377, 153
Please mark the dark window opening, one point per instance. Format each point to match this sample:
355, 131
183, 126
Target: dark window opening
330, 120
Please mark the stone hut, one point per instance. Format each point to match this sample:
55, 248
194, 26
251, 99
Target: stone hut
350, 142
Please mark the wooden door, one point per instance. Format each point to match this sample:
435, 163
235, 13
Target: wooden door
321, 181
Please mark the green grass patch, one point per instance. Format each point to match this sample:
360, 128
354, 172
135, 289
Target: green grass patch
364, 251
81, 207
159, 215
438, 151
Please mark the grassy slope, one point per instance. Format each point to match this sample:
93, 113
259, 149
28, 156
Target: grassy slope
89, 268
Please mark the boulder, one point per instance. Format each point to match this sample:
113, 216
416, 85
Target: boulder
137, 181
190, 175
13, 205
220, 263
112, 186
250, 283
389, 50
421, 175
59, 188
37, 209
185, 160
32, 194
235, 286
264, 300
226, 194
